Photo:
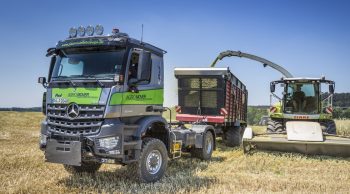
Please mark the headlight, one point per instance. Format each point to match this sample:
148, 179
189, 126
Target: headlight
81, 31
43, 139
89, 30
109, 142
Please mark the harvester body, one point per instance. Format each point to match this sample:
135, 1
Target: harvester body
301, 121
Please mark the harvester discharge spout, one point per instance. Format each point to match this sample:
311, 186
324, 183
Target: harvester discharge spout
265, 62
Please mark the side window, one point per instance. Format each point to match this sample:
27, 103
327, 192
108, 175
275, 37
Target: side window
133, 67
140, 67
145, 67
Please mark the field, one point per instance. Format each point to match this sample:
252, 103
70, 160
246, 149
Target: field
23, 169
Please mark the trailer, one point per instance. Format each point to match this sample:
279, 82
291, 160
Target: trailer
213, 96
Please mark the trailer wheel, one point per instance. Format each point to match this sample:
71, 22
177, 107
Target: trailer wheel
329, 127
208, 147
274, 126
152, 163
88, 167
233, 136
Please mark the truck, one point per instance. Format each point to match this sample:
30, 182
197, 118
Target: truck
104, 103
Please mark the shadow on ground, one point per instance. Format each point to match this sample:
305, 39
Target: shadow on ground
181, 176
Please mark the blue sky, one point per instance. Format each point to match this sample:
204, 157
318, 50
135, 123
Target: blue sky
309, 38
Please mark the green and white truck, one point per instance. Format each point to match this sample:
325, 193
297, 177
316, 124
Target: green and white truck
104, 103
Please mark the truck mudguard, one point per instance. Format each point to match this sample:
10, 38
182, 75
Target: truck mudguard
200, 131
145, 122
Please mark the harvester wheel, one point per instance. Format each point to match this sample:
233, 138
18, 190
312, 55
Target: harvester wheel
152, 163
274, 126
208, 146
329, 127
233, 136
88, 167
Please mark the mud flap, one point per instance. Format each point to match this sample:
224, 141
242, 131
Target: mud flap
63, 152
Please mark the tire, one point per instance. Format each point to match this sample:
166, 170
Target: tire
89, 167
153, 150
233, 136
329, 127
207, 150
275, 126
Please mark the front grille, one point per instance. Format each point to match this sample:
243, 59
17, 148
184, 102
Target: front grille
88, 122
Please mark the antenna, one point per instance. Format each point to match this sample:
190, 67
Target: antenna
141, 33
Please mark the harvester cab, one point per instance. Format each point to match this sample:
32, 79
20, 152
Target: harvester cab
302, 100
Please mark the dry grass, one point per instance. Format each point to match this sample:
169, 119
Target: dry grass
23, 169
343, 127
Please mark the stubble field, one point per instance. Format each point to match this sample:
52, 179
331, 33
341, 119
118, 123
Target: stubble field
23, 170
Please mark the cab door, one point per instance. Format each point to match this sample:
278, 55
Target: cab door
143, 83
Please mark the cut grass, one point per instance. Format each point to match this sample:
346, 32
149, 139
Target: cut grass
23, 169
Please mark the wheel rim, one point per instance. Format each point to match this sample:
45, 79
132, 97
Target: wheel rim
154, 162
208, 146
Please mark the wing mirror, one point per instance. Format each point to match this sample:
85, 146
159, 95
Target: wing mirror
331, 88
42, 81
272, 88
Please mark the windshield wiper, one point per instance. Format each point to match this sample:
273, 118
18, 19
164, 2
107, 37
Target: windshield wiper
94, 79
64, 80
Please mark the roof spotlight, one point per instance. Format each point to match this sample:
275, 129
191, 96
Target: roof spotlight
99, 29
89, 30
81, 31
115, 31
72, 32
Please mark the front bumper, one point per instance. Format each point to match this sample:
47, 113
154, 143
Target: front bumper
73, 150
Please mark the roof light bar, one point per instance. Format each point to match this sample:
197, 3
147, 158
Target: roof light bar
88, 31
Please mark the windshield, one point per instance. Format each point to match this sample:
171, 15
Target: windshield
89, 62
302, 98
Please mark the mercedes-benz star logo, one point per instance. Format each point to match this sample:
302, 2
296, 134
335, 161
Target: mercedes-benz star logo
73, 111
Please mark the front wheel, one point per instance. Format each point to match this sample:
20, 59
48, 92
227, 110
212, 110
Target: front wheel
206, 151
152, 163
275, 126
